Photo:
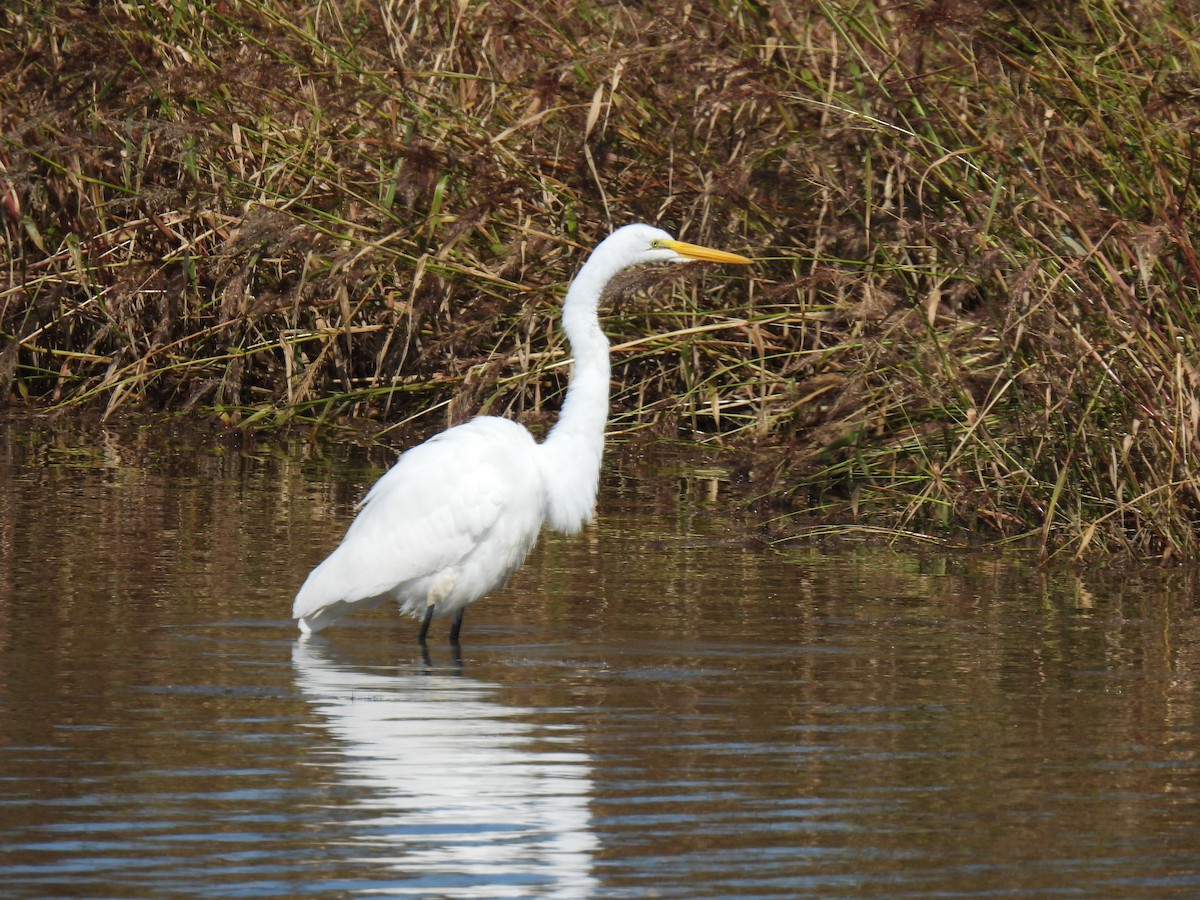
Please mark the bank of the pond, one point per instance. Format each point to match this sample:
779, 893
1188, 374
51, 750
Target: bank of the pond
975, 303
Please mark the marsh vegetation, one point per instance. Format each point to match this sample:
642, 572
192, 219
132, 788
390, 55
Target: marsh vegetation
975, 309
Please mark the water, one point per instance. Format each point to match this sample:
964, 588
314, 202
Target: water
657, 708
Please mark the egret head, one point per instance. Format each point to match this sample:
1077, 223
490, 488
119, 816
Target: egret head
636, 244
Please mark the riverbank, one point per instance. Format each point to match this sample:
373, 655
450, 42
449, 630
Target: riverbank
975, 303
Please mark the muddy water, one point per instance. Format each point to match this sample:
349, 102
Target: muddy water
659, 708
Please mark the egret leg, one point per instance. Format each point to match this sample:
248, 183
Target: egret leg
425, 625
457, 626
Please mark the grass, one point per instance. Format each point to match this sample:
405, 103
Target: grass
976, 307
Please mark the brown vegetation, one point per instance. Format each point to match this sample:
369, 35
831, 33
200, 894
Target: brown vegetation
976, 303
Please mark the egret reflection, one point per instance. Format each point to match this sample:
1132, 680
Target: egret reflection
468, 796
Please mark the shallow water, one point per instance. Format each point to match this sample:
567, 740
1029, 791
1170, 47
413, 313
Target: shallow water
658, 707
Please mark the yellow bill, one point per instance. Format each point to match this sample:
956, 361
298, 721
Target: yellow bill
704, 254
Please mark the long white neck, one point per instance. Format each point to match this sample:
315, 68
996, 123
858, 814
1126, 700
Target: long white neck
571, 452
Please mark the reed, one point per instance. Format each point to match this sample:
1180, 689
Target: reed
976, 310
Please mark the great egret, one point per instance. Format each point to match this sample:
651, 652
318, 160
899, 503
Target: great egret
457, 514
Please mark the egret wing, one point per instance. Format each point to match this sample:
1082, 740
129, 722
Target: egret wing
428, 513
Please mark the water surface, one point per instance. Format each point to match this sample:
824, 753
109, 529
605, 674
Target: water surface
658, 707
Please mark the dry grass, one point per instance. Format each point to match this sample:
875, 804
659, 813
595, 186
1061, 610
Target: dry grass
976, 305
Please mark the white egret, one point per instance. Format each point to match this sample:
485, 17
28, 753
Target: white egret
457, 514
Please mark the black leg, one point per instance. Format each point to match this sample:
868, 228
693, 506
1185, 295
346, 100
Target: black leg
457, 626
425, 625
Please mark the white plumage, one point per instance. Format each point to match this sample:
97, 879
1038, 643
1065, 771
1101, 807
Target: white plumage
457, 514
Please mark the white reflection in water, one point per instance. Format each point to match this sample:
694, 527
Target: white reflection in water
469, 797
